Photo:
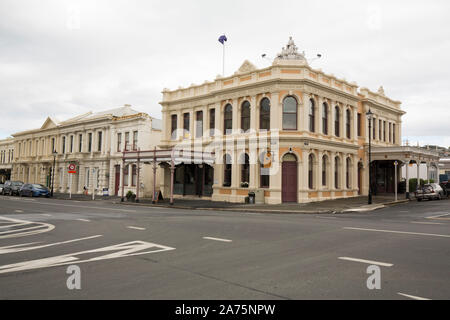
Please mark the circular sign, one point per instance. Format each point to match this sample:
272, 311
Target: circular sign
72, 167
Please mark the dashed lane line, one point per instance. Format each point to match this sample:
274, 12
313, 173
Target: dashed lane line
400, 232
135, 228
418, 222
217, 239
371, 262
412, 297
84, 220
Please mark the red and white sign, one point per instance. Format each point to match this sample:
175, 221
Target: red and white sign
72, 168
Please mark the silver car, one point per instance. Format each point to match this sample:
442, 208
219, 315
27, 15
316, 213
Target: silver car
430, 191
1, 188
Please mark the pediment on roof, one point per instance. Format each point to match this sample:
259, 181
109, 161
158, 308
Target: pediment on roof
49, 123
247, 66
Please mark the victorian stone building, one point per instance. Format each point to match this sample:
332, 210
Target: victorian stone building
288, 132
93, 143
6, 158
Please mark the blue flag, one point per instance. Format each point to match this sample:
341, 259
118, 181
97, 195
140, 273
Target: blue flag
222, 39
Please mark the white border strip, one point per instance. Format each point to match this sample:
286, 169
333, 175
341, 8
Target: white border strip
383, 264
217, 239
401, 232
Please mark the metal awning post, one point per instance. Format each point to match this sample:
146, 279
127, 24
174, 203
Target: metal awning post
154, 176
138, 171
172, 170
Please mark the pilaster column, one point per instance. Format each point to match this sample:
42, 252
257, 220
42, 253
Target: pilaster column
254, 119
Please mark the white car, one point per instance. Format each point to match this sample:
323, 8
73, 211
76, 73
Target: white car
1, 188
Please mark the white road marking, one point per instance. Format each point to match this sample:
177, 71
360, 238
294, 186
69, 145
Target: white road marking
418, 222
84, 220
84, 207
438, 216
412, 297
43, 227
383, 264
13, 249
128, 249
217, 239
46, 215
401, 232
14, 225
136, 228
18, 211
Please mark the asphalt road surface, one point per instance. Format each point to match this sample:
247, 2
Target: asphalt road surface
136, 252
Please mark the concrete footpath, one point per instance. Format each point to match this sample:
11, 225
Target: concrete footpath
356, 204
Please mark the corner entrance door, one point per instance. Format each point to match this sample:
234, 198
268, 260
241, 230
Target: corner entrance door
117, 181
289, 181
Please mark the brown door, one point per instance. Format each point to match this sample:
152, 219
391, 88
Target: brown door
289, 181
359, 180
117, 181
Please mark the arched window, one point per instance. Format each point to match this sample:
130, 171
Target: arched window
311, 171
336, 172
227, 170
325, 118
348, 121
312, 118
324, 170
347, 173
245, 172
228, 119
337, 121
264, 115
245, 116
289, 113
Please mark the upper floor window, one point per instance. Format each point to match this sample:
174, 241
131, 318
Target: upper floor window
337, 121
380, 132
289, 113
245, 116
89, 141
384, 131
199, 124
348, 121
127, 141
119, 142
212, 121
228, 119
359, 119
393, 133
264, 114
63, 145
311, 114
53, 145
325, 118
80, 143
173, 122
186, 122
71, 144
135, 140
99, 146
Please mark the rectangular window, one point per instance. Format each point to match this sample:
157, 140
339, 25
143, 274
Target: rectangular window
89, 141
134, 176
390, 132
212, 121
53, 145
359, 124
127, 141
63, 145
71, 144
125, 175
100, 141
135, 140
173, 131
393, 133
380, 132
87, 176
186, 123
374, 122
119, 142
384, 131
80, 143
199, 124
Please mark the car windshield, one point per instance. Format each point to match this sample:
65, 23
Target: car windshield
17, 183
38, 186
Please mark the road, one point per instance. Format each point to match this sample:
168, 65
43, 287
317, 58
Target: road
137, 252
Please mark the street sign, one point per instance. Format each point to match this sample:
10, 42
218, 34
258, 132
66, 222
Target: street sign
72, 168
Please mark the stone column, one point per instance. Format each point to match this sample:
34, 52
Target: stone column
276, 114
407, 178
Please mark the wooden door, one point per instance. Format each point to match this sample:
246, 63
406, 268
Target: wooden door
289, 182
117, 181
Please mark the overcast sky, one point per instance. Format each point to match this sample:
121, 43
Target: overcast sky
62, 58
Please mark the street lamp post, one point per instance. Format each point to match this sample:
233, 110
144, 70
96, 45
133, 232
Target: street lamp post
369, 115
53, 170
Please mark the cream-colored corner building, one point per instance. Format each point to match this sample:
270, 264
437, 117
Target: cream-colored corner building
288, 132
94, 143
6, 158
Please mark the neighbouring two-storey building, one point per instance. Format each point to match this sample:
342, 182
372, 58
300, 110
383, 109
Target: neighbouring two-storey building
6, 158
288, 131
94, 143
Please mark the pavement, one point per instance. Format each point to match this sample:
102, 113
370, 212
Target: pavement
145, 252
336, 206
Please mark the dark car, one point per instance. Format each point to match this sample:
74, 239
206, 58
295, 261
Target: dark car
12, 187
430, 191
446, 188
34, 190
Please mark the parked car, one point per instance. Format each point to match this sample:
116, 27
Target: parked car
12, 187
430, 191
1, 188
34, 190
446, 188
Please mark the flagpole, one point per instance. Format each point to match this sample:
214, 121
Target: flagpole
223, 55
